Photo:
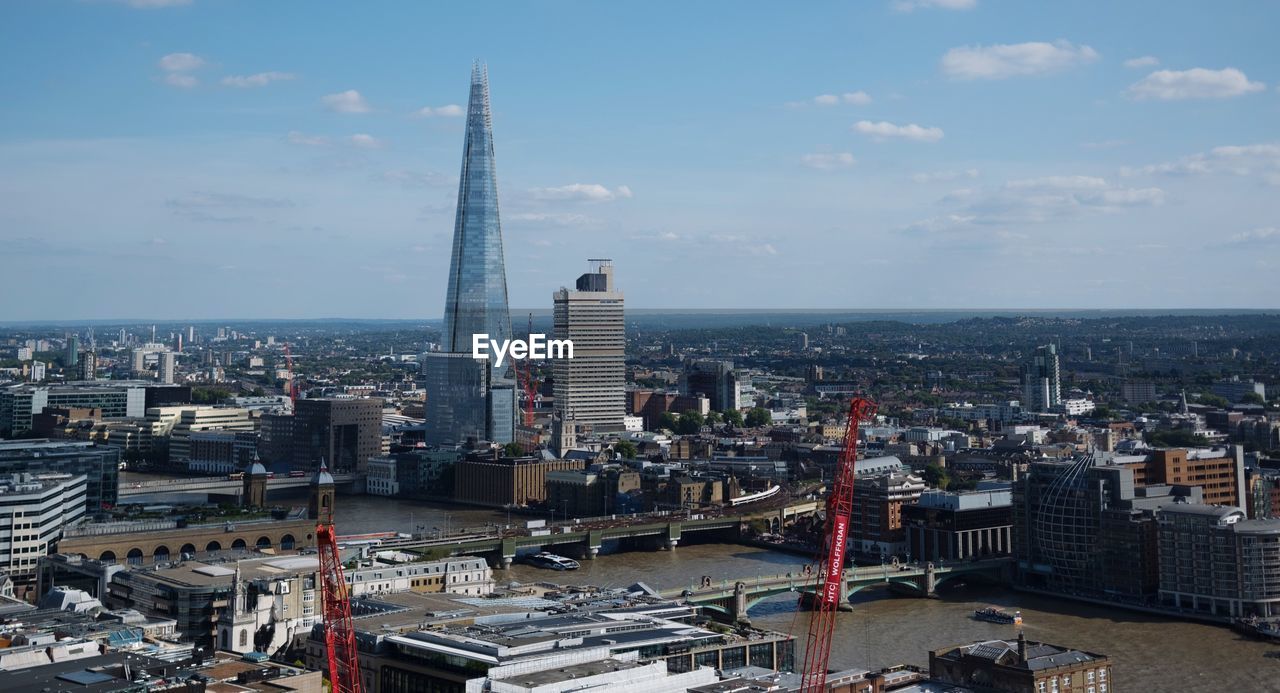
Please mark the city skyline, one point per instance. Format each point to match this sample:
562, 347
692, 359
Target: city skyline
231, 144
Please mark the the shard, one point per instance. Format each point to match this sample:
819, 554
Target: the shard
468, 398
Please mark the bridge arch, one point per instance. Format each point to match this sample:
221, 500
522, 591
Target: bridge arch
213, 546
161, 553
135, 556
287, 542
188, 549
238, 544
264, 542
107, 557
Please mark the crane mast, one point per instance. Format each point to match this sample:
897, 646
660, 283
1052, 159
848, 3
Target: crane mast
339, 634
829, 584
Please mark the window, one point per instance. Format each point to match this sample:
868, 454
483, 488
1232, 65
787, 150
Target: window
1088, 676
1040, 687
1102, 674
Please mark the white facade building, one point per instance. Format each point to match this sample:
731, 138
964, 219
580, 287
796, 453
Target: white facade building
34, 508
590, 388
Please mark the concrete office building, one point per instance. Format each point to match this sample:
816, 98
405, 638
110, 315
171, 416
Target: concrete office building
499, 481
168, 367
345, 433
876, 519
99, 464
1082, 526
715, 380
203, 418
34, 509
1215, 561
947, 526
1218, 471
1234, 389
1042, 380
590, 388
116, 400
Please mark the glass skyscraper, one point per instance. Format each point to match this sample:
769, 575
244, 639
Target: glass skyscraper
469, 398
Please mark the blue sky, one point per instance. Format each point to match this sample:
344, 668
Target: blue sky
215, 158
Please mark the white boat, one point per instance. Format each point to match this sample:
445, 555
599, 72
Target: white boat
552, 561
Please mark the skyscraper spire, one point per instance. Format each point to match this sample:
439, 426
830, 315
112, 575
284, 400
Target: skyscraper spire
476, 300
469, 398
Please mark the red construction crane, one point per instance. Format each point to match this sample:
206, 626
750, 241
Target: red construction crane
829, 585
339, 635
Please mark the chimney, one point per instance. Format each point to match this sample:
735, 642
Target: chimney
1022, 647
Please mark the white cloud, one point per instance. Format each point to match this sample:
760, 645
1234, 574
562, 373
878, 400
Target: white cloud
561, 219
826, 162
1238, 160
413, 179
588, 192
943, 176
761, 250
1268, 235
180, 80
365, 141
1144, 61
260, 79
452, 110
1035, 200
668, 236
177, 65
910, 131
858, 98
1001, 61
296, 137
224, 207
1196, 83
913, 5
349, 101
181, 62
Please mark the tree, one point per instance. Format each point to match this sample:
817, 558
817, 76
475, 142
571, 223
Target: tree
1213, 400
732, 417
667, 420
1252, 398
713, 418
512, 449
626, 448
690, 422
758, 416
936, 475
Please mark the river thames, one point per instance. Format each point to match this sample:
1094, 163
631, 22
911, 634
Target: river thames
1148, 652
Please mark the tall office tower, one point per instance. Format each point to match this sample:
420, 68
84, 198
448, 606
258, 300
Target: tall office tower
344, 433
590, 388
177, 342
715, 380
1042, 380
191, 334
73, 351
89, 366
168, 366
470, 398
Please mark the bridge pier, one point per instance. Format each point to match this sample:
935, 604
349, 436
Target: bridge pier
507, 553
672, 536
594, 540
740, 603
930, 581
